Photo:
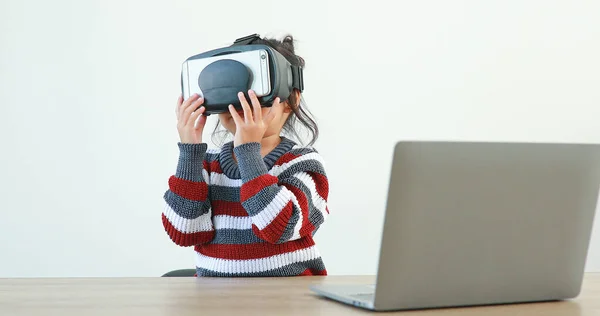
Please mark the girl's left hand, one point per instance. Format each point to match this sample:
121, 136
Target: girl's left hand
252, 127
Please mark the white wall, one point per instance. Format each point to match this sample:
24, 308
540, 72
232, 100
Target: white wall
87, 126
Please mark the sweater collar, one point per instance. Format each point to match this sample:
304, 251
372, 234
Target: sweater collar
230, 167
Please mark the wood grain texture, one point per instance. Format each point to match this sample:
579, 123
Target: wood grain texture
243, 296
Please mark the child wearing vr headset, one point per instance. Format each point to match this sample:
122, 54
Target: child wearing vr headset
252, 206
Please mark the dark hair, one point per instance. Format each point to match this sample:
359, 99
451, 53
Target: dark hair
300, 114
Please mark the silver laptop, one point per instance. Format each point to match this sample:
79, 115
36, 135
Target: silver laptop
475, 223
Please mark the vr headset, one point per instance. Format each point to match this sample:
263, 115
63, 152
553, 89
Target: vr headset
220, 74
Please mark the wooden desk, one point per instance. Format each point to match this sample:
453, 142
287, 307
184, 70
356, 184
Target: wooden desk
190, 296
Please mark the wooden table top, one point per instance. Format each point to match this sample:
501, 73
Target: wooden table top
230, 296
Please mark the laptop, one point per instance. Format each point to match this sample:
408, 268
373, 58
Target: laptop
481, 223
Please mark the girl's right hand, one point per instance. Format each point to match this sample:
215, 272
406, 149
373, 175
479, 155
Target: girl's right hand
189, 126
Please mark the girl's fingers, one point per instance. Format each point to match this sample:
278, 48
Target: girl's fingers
269, 118
255, 105
195, 97
178, 105
234, 114
189, 110
194, 116
246, 107
189, 101
201, 122
275, 108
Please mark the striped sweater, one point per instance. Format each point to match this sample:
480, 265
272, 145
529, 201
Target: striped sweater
256, 217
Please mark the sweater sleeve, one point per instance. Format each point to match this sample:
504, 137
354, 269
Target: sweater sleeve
187, 212
288, 204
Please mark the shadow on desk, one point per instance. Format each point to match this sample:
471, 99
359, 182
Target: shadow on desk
181, 273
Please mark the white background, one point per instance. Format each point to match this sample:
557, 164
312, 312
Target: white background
88, 88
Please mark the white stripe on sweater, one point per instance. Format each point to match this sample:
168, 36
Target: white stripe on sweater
316, 199
205, 176
184, 225
278, 169
256, 265
223, 180
301, 219
232, 222
270, 212
263, 218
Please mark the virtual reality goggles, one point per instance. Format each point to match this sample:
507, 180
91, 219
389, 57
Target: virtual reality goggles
220, 74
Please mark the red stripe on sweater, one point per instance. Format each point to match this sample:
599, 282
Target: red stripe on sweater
322, 184
252, 251
228, 208
252, 187
185, 239
195, 191
285, 158
215, 167
309, 272
272, 233
307, 226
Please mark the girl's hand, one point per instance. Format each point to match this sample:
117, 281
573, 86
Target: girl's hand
253, 126
188, 125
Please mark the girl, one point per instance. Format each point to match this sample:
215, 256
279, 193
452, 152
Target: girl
250, 208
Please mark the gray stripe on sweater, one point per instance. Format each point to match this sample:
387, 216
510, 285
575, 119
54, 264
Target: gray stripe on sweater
235, 237
300, 151
289, 228
283, 147
223, 193
314, 215
250, 163
310, 165
293, 269
259, 201
189, 165
211, 155
186, 208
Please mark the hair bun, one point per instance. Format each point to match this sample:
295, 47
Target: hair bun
285, 46
288, 39
288, 43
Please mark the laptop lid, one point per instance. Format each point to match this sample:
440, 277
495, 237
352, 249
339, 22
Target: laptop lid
470, 223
